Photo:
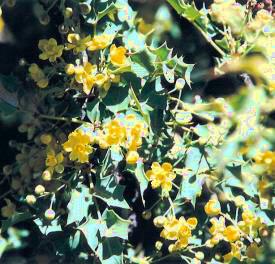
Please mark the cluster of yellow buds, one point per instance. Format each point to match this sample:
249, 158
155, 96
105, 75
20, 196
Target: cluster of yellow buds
220, 231
229, 13
38, 76
54, 157
79, 146
50, 50
250, 223
262, 18
267, 160
161, 176
178, 230
89, 76
126, 131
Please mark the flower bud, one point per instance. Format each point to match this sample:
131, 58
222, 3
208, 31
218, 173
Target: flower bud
30, 199
44, 19
146, 214
39, 189
180, 84
132, 157
158, 245
85, 9
199, 255
212, 207
63, 29
159, 221
46, 139
50, 214
46, 175
68, 12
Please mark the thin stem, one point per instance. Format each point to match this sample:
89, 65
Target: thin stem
64, 119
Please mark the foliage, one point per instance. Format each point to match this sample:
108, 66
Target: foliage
110, 109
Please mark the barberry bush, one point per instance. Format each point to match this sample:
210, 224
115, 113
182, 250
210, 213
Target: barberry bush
118, 145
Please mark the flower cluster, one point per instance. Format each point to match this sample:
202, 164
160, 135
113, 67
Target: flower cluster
125, 131
38, 76
177, 230
267, 160
54, 157
161, 176
79, 146
89, 76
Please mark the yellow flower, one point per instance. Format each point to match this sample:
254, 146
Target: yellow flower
212, 207
50, 49
9, 209
234, 253
78, 145
118, 57
115, 133
100, 42
250, 223
132, 157
84, 75
54, 161
161, 176
263, 16
76, 43
171, 229
176, 229
216, 230
232, 233
38, 76
46, 139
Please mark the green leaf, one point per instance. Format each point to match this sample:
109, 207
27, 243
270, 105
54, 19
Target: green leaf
74, 240
110, 192
79, 204
169, 74
46, 227
117, 99
142, 179
90, 230
93, 110
15, 219
190, 188
110, 251
117, 226
10, 83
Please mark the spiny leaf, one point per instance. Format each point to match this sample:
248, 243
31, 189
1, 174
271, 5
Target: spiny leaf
79, 204
117, 226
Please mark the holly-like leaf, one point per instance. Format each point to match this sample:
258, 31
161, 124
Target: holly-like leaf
79, 204
117, 99
48, 227
110, 192
90, 230
117, 226
190, 188
15, 219
110, 251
